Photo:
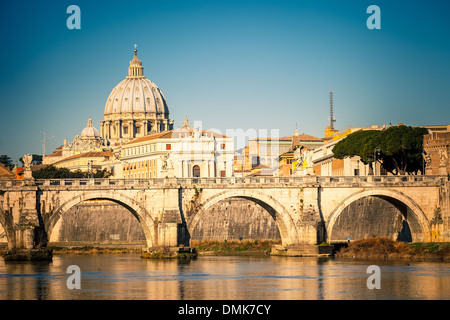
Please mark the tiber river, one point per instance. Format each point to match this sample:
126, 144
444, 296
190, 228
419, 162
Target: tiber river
127, 277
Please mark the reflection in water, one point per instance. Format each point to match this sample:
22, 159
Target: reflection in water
210, 277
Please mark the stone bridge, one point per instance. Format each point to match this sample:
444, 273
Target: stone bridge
306, 209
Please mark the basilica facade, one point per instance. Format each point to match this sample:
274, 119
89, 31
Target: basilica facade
137, 139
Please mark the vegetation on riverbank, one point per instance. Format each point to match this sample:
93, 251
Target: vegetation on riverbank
224, 247
234, 247
386, 248
94, 250
370, 248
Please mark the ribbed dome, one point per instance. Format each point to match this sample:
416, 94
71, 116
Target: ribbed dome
136, 94
90, 131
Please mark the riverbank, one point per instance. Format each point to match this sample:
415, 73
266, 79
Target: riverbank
386, 249
97, 249
370, 248
219, 248
234, 247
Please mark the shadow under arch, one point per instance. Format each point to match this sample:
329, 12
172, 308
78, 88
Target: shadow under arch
133, 206
420, 230
6, 224
283, 219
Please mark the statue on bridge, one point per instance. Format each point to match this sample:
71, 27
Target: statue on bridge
27, 159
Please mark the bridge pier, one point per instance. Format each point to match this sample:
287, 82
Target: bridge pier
172, 236
27, 240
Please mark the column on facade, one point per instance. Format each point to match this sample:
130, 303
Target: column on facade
188, 168
212, 168
115, 129
102, 129
108, 129
144, 128
182, 169
130, 129
118, 126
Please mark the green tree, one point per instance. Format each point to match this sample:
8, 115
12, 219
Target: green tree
361, 144
402, 149
6, 161
398, 149
52, 172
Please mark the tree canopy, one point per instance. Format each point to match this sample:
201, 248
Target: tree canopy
399, 149
52, 172
6, 161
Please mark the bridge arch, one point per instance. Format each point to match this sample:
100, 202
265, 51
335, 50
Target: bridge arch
6, 226
421, 230
283, 219
132, 205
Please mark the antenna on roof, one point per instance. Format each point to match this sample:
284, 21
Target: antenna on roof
44, 141
331, 117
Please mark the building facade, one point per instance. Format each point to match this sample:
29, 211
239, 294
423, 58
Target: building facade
184, 153
273, 153
436, 147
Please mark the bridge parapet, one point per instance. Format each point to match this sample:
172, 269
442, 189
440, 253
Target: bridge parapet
260, 180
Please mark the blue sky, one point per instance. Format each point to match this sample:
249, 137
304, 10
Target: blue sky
230, 64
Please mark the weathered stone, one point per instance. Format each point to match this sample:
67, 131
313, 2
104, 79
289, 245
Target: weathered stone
28, 255
168, 211
304, 250
169, 253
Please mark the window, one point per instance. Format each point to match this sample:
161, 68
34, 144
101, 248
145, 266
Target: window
196, 171
222, 146
168, 146
138, 129
125, 130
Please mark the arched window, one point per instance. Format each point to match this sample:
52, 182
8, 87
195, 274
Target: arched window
196, 171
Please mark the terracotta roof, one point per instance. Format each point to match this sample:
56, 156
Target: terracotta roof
173, 134
301, 137
287, 154
5, 173
149, 137
56, 153
91, 154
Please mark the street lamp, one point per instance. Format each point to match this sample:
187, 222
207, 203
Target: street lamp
90, 169
375, 152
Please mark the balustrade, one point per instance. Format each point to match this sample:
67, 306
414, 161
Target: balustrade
328, 180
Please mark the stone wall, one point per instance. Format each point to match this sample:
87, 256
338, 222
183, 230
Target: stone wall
98, 222
372, 216
106, 222
234, 218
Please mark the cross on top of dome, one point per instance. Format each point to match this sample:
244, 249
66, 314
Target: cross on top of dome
135, 70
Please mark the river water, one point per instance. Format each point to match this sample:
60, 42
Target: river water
127, 277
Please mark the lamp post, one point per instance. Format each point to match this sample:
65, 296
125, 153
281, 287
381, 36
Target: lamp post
90, 170
375, 152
